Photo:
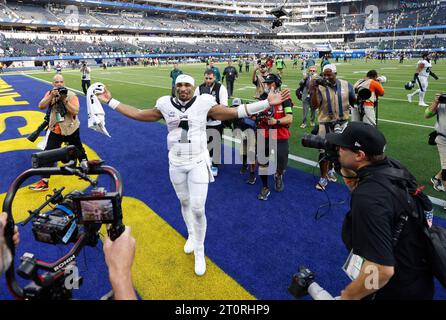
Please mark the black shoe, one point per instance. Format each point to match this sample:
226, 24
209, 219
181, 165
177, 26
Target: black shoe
243, 169
252, 178
278, 186
264, 194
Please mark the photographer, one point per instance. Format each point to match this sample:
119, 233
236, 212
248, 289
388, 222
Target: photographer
86, 80
275, 123
391, 261
365, 110
5, 253
306, 101
333, 98
438, 108
63, 122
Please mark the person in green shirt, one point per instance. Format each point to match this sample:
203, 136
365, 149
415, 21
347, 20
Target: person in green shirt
324, 61
174, 74
280, 64
216, 71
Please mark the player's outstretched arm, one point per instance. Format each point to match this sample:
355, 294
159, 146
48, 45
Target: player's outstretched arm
220, 112
147, 115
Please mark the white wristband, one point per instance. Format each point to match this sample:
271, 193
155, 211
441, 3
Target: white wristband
113, 103
246, 110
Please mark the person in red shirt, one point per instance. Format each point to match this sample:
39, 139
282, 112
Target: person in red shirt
269, 63
273, 124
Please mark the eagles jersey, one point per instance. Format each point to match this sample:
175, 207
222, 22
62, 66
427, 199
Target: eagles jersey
187, 138
426, 69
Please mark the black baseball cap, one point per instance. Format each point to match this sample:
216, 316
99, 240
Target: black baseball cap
359, 136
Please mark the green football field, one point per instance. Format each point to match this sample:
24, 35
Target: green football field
402, 123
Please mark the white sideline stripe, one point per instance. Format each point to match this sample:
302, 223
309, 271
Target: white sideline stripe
311, 163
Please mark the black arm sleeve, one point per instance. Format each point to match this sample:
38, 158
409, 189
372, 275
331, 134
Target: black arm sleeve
433, 75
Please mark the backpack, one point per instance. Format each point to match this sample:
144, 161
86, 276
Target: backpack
417, 205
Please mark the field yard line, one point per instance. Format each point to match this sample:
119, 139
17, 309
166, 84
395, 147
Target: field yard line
311, 163
49, 82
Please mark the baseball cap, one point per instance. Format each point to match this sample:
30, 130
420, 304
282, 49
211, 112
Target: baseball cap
184, 78
332, 67
236, 101
359, 136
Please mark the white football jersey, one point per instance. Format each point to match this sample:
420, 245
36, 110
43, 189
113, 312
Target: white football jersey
187, 138
426, 69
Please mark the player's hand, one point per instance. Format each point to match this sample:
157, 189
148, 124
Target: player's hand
279, 97
104, 97
16, 235
437, 98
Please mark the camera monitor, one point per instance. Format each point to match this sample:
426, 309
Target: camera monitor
97, 209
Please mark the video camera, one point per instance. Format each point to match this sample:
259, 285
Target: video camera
76, 218
302, 284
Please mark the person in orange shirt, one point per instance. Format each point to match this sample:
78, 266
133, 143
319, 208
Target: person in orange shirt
63, 124
373, 83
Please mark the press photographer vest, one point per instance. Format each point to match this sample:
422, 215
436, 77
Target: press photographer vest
213, 91
335, 103
71, 122
366, 84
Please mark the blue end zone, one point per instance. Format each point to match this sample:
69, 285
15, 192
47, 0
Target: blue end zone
260, 244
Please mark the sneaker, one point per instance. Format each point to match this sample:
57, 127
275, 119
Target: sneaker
278, 179
264, 194
409, 98
332, 176
303, 125
322, 184
243, 169
437, 184
189, 246
214, 171
312, 123
42, 185
252, 178
200, 262
422, 104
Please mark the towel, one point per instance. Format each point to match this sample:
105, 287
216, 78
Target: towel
96, 114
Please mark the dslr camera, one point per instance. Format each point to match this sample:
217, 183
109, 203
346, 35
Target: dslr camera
320, 81
303, 283
61, 224
317, 142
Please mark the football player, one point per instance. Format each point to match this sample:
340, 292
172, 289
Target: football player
189, 162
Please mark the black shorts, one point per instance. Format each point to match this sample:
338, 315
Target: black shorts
281, 154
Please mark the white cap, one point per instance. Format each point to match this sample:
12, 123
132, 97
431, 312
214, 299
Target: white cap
184, 78
332, 67
236, 101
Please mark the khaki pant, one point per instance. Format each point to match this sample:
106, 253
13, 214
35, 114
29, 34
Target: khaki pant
441, 145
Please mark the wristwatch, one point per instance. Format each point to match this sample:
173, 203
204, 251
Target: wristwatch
277, 122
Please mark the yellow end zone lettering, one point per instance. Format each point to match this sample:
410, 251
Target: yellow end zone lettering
8, 95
